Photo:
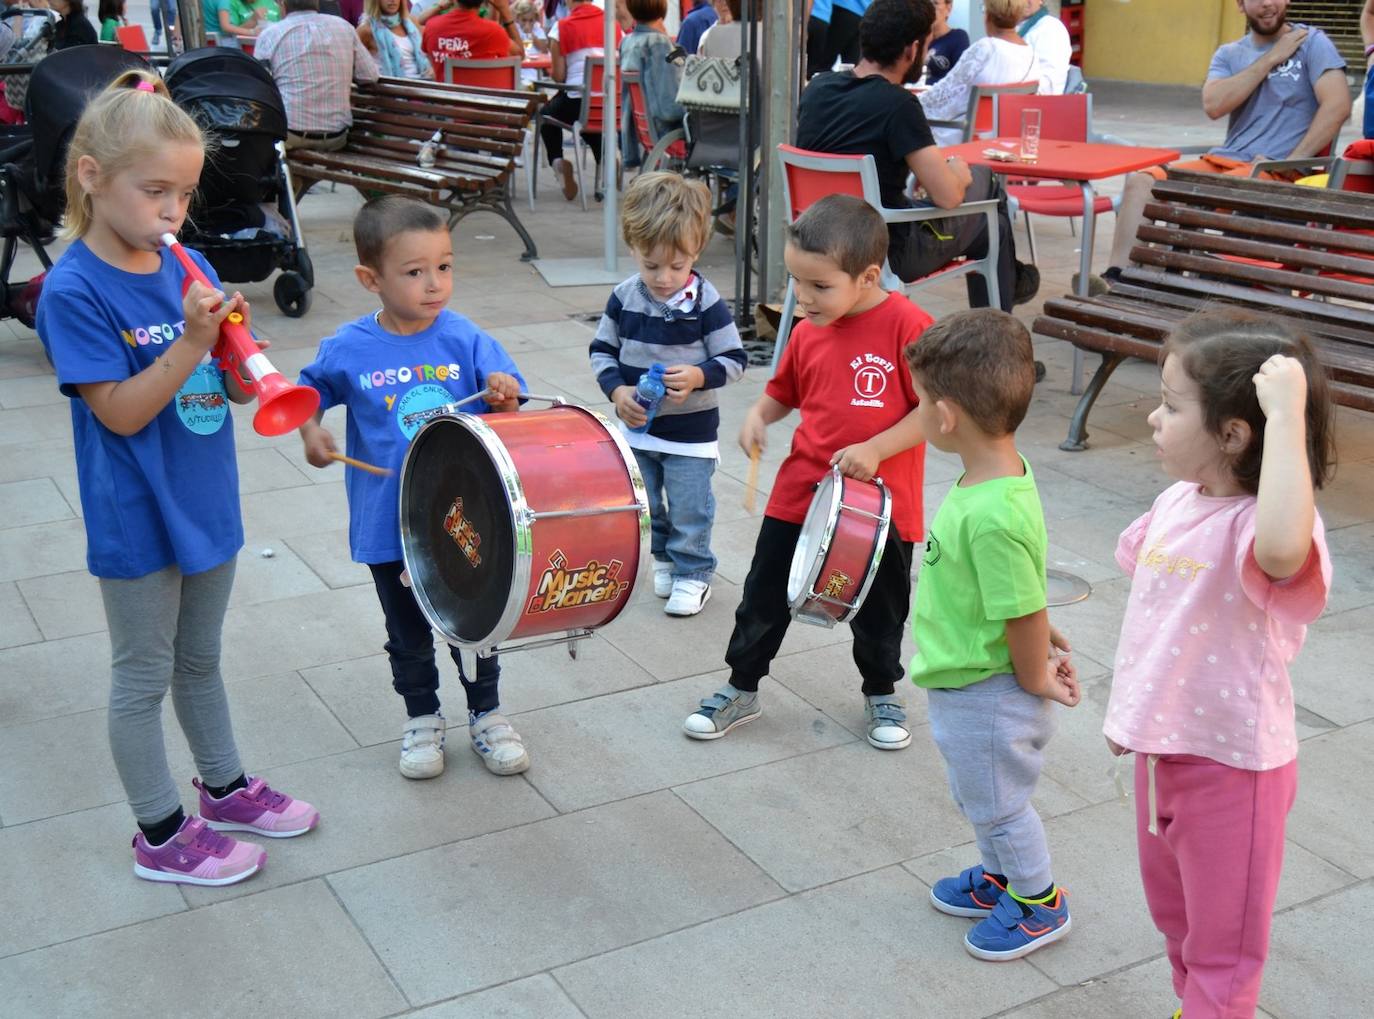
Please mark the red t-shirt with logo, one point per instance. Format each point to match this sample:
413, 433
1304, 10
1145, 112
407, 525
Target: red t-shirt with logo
850, 382
462, 34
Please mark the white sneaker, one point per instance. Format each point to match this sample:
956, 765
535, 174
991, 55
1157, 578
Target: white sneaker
498, 744
688, 598
663, 579
422, 746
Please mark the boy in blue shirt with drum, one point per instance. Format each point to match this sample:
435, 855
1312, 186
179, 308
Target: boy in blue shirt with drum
389, 368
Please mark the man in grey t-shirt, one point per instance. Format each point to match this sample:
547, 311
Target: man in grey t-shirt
1284, 89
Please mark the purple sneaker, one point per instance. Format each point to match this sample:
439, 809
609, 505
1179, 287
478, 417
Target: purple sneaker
257, 809
195, 855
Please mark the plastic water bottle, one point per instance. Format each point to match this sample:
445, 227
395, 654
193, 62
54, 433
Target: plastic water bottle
429, 151
649, 391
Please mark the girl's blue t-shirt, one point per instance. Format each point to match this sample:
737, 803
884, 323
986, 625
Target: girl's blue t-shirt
168, 494
387, 381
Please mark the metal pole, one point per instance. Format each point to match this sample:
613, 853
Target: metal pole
782, 41
610, 140
744, 202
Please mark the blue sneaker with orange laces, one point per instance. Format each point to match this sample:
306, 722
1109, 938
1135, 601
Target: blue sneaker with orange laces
1016, 928
972, 893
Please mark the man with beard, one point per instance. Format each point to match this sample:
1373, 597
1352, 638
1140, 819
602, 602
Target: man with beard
867, 112
1284, 89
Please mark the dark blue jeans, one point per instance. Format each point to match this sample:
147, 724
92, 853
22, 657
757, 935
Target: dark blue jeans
410, 646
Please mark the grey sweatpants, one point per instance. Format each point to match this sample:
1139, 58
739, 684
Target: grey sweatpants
165, 631
992, 736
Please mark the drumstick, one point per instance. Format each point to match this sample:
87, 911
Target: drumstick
384, 472
751, 486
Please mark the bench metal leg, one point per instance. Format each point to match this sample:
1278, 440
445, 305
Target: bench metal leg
1077, 440
503, 208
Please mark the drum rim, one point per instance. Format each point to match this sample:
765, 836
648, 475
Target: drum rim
522, 552
832, 522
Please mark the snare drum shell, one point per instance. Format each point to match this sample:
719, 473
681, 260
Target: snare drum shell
562, 503
846, 526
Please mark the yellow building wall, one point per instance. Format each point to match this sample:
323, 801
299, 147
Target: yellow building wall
1167, 42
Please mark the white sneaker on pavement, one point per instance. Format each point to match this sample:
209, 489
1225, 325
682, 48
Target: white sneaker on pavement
422, 746
498, 745
688, 598
663, 579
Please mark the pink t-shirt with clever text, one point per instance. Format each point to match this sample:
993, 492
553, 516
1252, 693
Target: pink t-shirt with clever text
1202, 666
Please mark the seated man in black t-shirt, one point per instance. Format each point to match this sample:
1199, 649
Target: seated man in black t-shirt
867, 111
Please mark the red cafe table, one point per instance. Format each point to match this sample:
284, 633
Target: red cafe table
1078, 163
538, 62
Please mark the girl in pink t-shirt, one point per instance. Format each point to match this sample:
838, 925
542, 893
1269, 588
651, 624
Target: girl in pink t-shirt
1228, 567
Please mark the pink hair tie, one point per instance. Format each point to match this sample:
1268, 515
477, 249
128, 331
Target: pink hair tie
144, 85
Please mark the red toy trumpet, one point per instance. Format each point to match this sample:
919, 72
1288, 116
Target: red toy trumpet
282, 406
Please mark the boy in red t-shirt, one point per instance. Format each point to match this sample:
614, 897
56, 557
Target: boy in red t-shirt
463, 34
844, 371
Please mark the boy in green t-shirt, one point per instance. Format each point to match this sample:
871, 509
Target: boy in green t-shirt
986, 652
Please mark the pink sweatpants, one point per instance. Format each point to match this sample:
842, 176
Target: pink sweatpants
1212, 872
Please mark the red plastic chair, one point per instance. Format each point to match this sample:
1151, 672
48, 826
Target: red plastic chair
1066, 118
503, 73
674, 148
979, 120
809, 176
131, 38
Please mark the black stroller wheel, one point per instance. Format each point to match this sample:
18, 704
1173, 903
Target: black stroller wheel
292, 294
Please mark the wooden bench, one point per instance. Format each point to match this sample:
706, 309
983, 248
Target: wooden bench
1269, 247
483, 132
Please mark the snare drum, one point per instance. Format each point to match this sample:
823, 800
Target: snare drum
839, 549
519, 525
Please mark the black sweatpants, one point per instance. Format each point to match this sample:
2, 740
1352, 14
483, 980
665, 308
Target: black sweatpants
565, 108
763, 615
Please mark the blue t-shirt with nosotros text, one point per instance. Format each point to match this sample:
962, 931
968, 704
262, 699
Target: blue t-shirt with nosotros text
387, 381
169, 493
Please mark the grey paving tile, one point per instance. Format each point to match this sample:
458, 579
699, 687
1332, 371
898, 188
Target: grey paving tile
670, 647
1078, 756
1348, 502
532, 998
369, 812
1331, 816
1325, 680
285, 513
55, 547
823, 816
1093, 626
301, 632
866, 946
73, 675
36, 501
1352, 581
137, 970
77, 879
259, 577
1312, 970
29, 391
588, 882
65, 604
17, 626
578, 764
1094, 858
36, 424
326, 553
1143, 990
40, 458
263, 470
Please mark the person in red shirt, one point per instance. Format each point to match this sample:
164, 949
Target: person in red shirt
580, 35
463, 34
844, 370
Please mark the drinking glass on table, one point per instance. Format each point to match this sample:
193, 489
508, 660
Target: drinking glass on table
1030, 136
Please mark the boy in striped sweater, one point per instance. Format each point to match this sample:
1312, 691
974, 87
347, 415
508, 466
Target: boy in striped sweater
667, 313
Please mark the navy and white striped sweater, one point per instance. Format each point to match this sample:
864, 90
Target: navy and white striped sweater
636, 330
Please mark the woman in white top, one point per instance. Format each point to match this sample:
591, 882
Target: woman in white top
393, 37
1000, 58
724, 39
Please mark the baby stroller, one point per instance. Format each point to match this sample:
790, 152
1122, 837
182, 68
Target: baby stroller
244, 219
33, 157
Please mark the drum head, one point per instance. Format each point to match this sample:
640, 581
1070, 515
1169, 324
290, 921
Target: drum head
457, 530
816, 533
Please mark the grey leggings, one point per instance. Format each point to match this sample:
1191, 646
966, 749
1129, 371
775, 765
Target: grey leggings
165, 631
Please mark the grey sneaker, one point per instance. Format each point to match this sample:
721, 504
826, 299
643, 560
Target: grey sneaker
721, 712
886, 719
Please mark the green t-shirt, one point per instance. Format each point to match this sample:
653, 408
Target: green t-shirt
109, 30
984, 564
210, 9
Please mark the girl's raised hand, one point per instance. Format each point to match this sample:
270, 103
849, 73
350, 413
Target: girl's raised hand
205, 309
1281, 387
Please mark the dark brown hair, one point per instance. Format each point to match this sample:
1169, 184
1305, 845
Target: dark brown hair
981, 360
647, 11
1222, 351
384, 218
845, 229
